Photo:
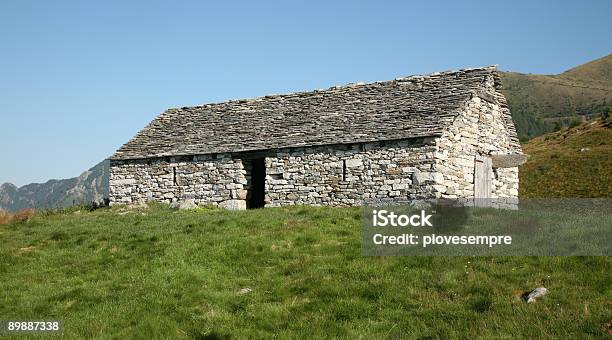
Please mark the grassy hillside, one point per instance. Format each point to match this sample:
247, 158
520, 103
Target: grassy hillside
598, 71
285, 272
573, 162
540, 102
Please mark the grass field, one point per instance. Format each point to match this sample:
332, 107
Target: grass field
157, 273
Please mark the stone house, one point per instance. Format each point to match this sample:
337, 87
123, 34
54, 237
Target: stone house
444, 135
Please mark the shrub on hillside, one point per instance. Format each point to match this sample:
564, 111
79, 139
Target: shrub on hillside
574, 123
23, 215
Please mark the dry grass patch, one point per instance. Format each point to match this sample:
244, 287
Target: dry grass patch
5, 217
22, 216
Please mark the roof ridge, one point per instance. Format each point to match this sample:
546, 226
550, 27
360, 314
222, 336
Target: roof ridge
421, 77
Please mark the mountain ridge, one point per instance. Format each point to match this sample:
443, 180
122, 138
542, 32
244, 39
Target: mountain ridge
89, 186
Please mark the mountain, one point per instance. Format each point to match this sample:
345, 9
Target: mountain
572, 162
543, 103
90, 186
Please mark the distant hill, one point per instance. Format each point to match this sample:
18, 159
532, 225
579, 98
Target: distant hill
541, 103
573, 162
91, 185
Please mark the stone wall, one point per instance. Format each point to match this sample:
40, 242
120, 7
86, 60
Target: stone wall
331, 175
208, 179
350, 175
479, 129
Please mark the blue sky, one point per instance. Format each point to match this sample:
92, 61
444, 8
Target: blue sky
80, 78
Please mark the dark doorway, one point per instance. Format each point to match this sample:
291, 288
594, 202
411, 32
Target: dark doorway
257, 188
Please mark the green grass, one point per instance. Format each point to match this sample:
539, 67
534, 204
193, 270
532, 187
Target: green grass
158, 273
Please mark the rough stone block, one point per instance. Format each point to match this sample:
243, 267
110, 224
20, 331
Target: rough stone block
420, 178
354, 163
233, 204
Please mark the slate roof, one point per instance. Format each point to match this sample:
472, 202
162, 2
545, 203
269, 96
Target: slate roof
411, 107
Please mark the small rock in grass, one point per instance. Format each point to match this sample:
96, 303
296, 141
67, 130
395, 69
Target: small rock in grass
187, 204
139, 205
535, 294
244, 291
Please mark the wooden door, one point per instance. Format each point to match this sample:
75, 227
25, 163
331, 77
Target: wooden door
482, 178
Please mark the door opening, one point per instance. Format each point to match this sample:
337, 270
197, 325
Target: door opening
257, 188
